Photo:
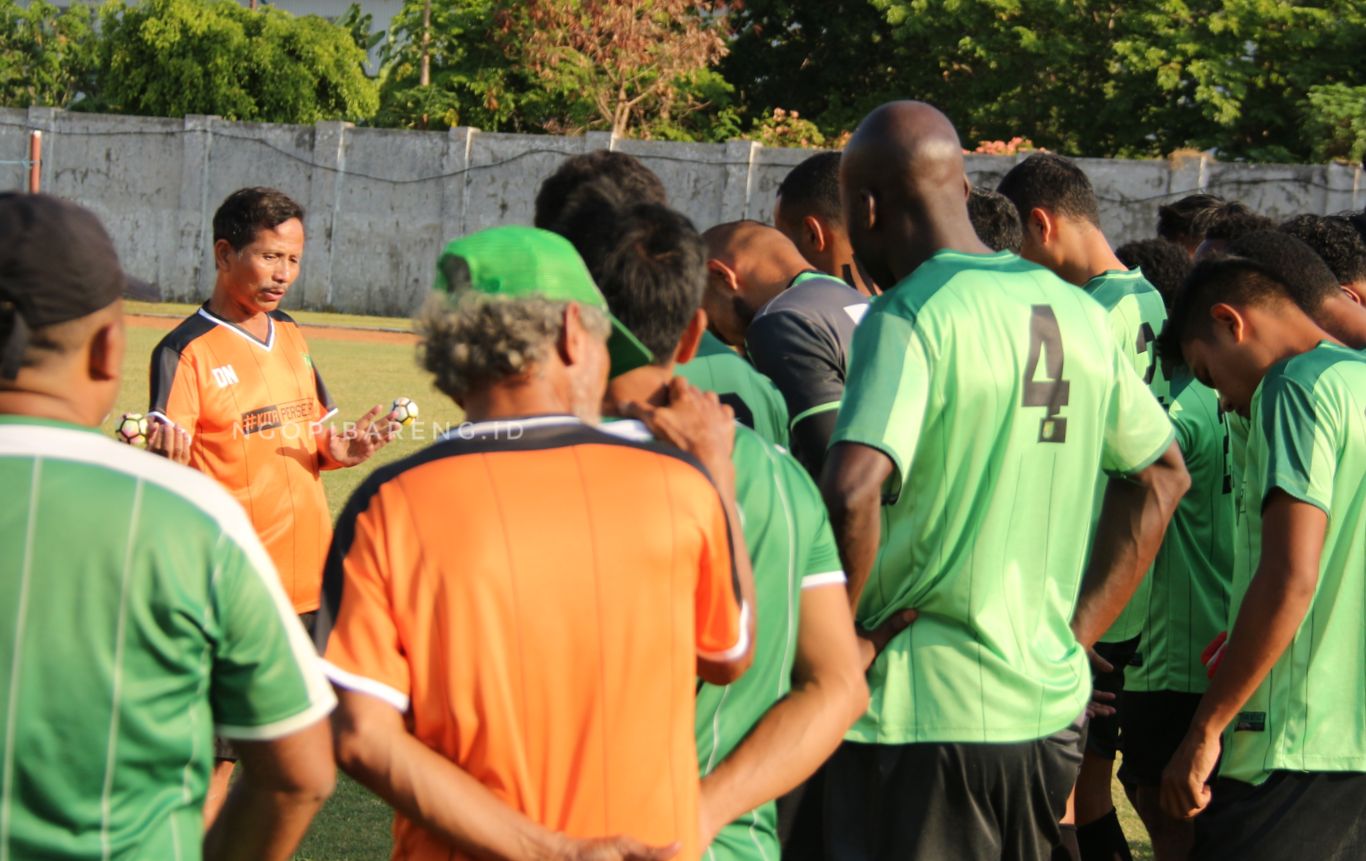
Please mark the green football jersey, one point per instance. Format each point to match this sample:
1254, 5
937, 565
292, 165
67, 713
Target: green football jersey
998, 393
1188, 602
1137, 316
1308, 440
139, 615
1246, 542
792, 548
755, 400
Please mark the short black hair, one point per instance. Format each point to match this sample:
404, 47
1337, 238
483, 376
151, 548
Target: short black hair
248, 211
1307, 279
1048, 181
1357, 220
996, 220
1165, 264
1335, 240
1222, 278
1181, 219
813, 188
635, 182
1231, 220
648, 260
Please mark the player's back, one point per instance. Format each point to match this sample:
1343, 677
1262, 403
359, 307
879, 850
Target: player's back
1002, 395
124, 580
755, 400
541, 616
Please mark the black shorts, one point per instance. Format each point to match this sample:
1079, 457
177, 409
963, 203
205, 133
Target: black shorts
1102, 734
801, 820
1153, 723
960, 801
223, 750
1313, 816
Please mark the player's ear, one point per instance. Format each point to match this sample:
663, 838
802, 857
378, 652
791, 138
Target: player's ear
107, 345
865, 209
1041, 221
570, 345
222, 251
815, 233
1229, 322
722, 276
1355, 292
691, 338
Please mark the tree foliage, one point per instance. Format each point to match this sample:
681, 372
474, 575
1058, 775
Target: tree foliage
46, 54
177, 57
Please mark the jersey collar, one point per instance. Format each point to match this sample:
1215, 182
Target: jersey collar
233, 327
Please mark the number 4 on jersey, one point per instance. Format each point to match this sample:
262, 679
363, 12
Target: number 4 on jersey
1048, 390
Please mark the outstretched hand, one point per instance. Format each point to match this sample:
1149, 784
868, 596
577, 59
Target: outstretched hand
359, 441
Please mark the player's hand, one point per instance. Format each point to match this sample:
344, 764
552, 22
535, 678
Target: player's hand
614, 849
1185, 782
694, 420
358, 442
170, 441
872, 642
1101, 704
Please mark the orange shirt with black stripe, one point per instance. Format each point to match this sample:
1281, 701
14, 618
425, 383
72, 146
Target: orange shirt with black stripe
252, 409
534, 595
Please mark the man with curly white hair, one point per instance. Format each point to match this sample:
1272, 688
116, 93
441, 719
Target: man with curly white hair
514, 618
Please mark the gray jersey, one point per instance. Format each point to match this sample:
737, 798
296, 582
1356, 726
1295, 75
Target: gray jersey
800, 340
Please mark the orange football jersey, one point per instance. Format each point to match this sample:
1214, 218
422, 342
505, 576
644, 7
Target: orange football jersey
252, 409
534, 595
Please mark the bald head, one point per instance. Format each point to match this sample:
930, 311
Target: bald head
904, 189
748, 263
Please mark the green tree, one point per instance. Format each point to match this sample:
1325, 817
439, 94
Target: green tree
1337, 119
640, 67
474, 77
1131, 78
177, 57
831, 61
46, 54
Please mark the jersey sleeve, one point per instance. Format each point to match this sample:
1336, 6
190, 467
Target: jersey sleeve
1301, 455
357, 632
174, 394
326, 406
801, 361
1137, 430
886, 392
266, 678
823, 566
722, 622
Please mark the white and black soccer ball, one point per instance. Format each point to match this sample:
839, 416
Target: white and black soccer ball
131, 428
404, 411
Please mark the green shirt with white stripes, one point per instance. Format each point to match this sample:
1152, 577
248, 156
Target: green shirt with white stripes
139, 615
753, 397
998, 394
792, 548
1308, 440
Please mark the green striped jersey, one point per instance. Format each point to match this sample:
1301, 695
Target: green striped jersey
998, 393
1308, 440
792, 548
139, 615
753, 397
1188, 600
1137, 316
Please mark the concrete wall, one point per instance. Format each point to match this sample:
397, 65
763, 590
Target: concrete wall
381, 202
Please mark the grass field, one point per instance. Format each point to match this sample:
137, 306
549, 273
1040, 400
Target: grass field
354, 825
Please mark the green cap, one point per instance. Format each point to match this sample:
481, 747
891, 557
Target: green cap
520, 262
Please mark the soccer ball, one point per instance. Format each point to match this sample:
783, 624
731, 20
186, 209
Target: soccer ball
132, 429
404, 411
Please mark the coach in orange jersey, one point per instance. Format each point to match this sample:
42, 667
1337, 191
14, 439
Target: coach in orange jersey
237, 378
515, 617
